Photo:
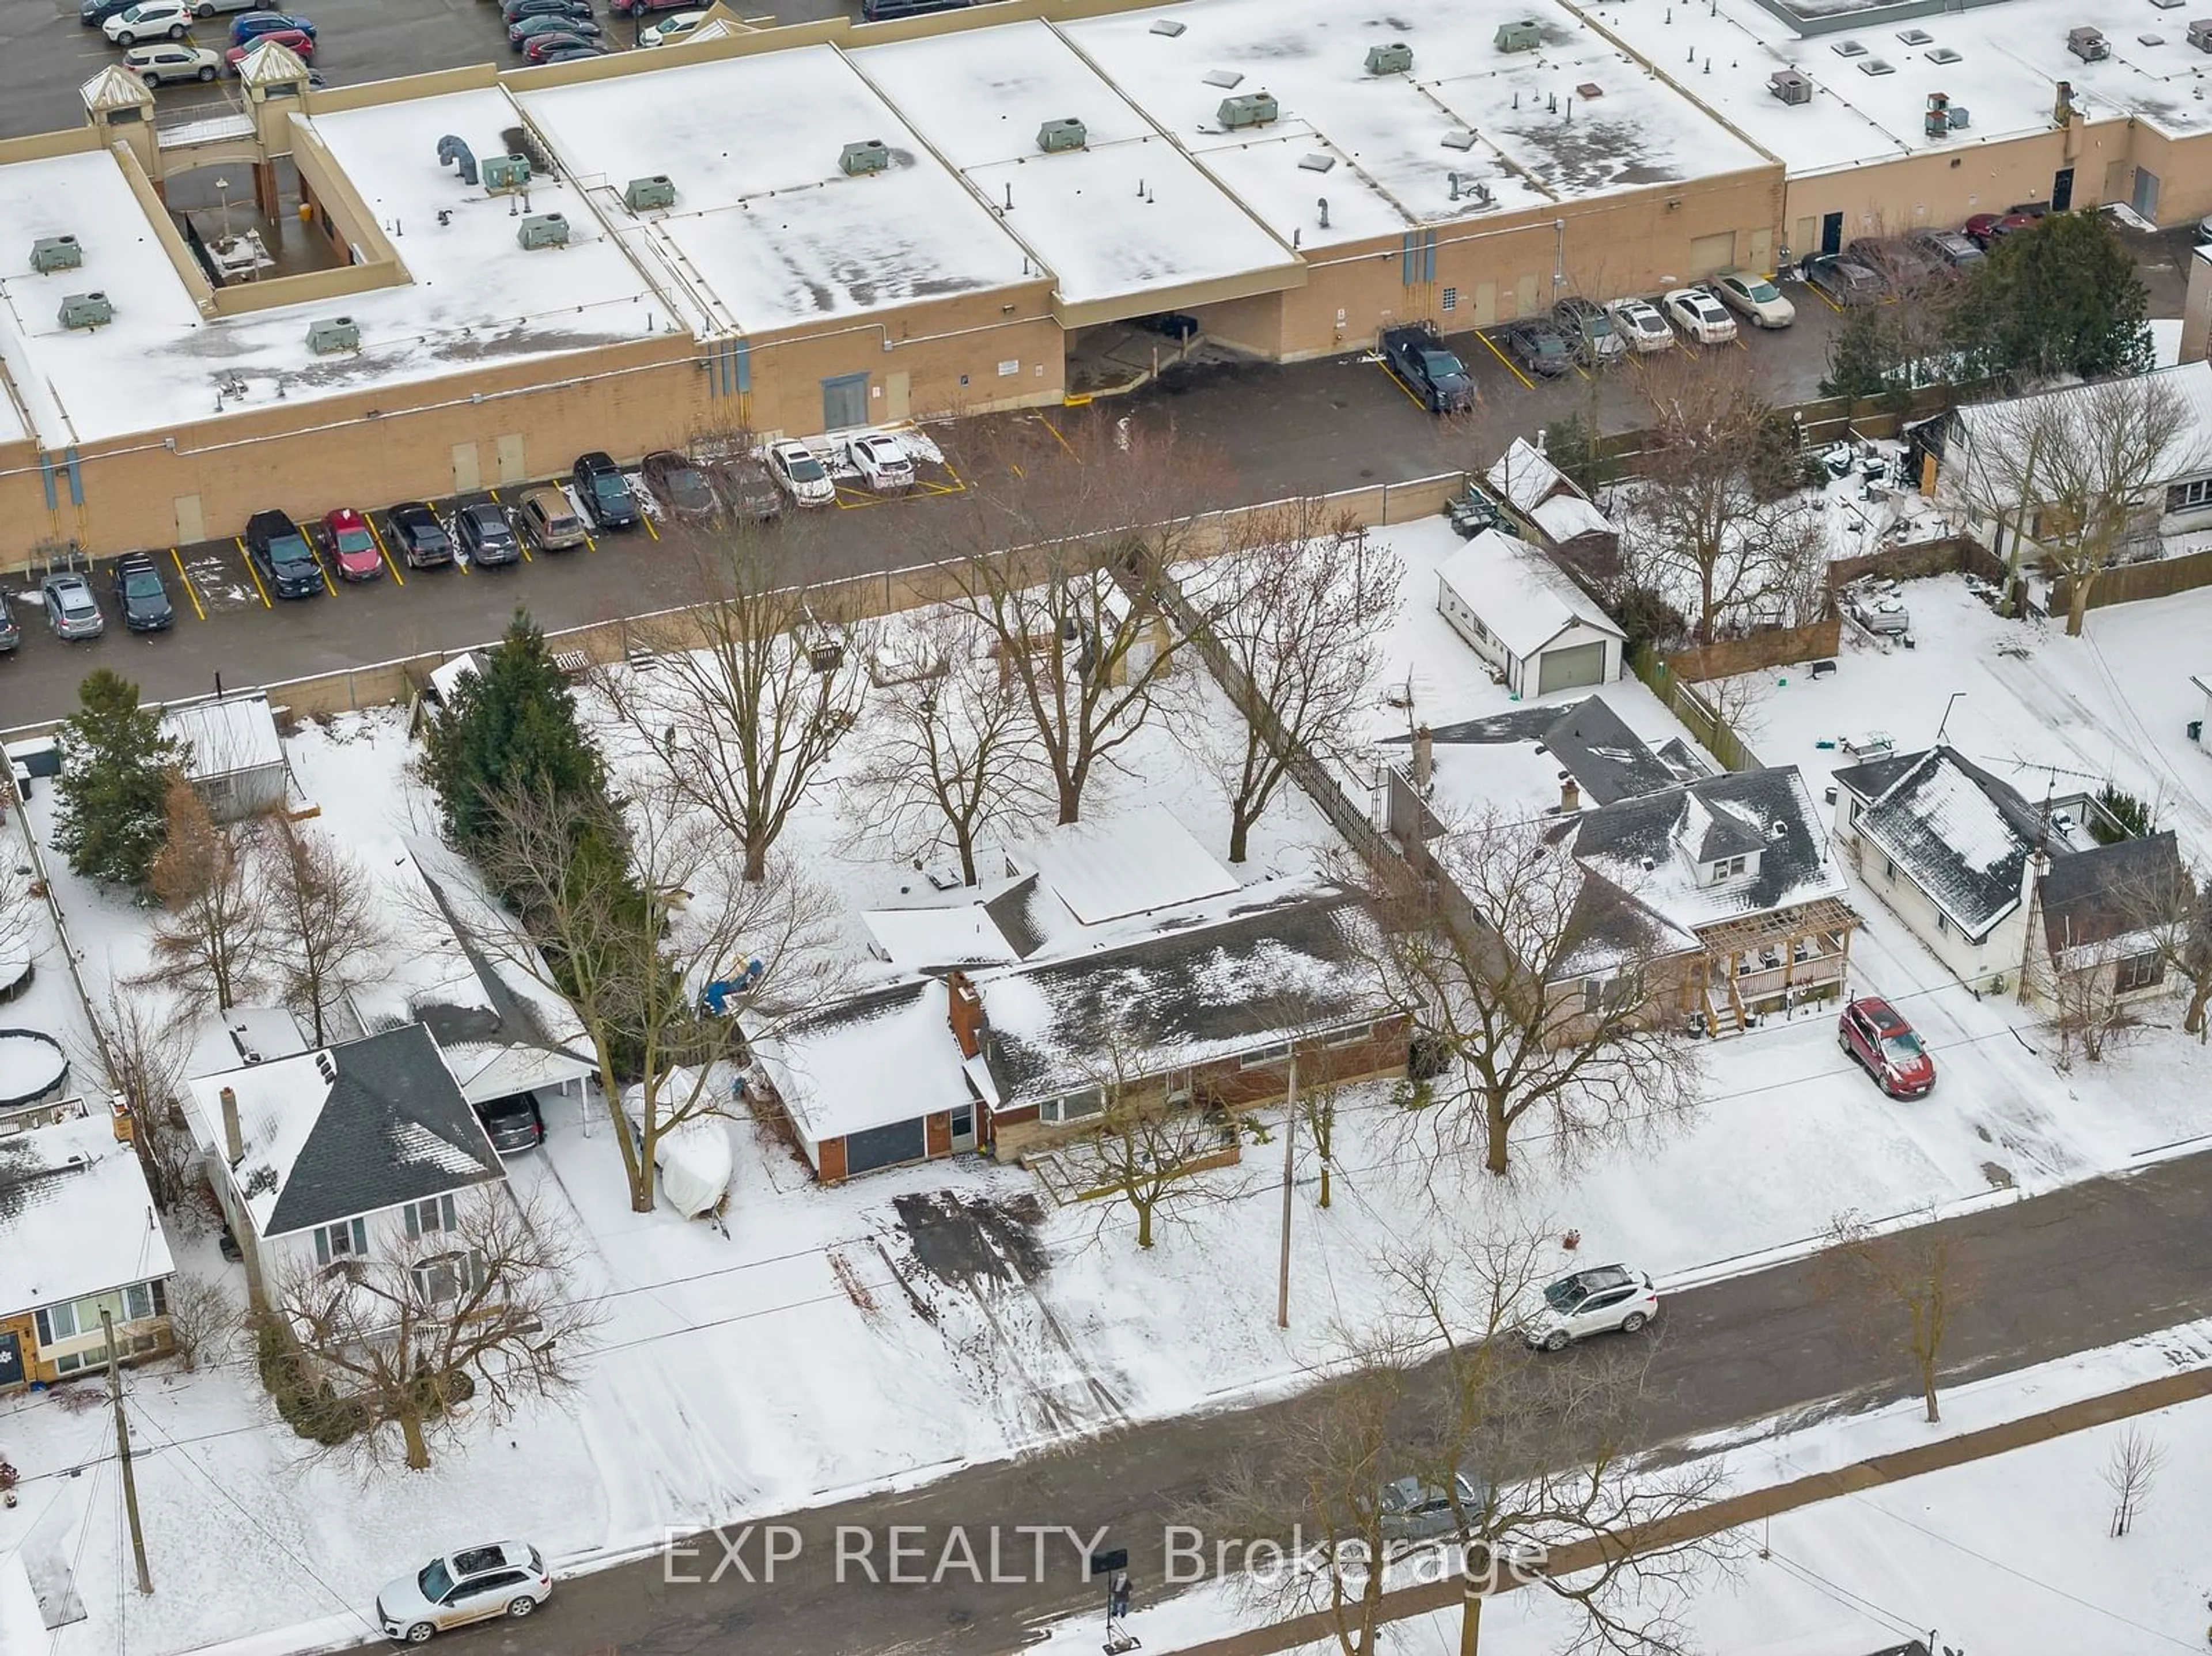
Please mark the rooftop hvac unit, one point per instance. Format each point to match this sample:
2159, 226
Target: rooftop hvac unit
638, 194
506, 173
1396, 58
2088, 43
1066, 134
1525, 35
1937, 122
1958, 121
333, 334
1790, 86
86, 311
50, 253
2200, 34
869, 155
544, 230
1248, 109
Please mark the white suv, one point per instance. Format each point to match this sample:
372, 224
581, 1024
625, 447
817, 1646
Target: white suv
1640, 324
1601, 1301
800, 475
149, 20
173, 61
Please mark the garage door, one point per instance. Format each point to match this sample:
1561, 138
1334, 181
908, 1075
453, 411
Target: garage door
882, 1147
1712, 253
1570, 669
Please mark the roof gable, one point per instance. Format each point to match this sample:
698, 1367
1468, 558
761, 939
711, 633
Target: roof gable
1958, 834
2093, 896
1521, 596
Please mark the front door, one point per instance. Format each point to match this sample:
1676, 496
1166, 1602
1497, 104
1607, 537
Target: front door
192, 523
468, 477
1831, 234
2062, 190
844, 402
963, 1128
513, 468
2145, 197
11, 1360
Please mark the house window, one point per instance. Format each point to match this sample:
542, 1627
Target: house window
2139, 972
2189, 496
1855, 811
348, 1239
446, 1276
1727, 868
1889, 870
1352, 1037
1451, 299
1260, 1057
430, 1217
1091, 1101
1942, 923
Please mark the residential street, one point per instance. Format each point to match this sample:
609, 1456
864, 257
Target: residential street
2086, 1266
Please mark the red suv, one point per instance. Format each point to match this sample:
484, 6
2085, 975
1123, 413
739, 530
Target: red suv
1873, 1032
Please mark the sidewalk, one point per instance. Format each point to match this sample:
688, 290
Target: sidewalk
1732, 1512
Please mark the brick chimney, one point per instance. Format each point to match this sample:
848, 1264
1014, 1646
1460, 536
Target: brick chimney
1570, 794
1424, 760
965, 1013
233, 1137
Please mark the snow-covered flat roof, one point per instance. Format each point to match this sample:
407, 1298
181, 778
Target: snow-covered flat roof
765, 216
76, 1215
920, 938
1124, 865
1537, 139
225, 736
1125, 213
2009, 59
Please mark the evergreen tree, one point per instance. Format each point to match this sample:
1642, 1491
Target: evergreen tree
512, 725
2060, 297
116, 766
1862, 358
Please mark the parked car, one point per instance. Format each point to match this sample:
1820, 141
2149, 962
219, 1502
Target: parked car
71, 609
1904, 265
513, 1124
1875, 1034
600, 485
301, 46
1413, 1510
882, 463
149, 20
173, 61
515, 10
800, 475
680, 487
11, 634
884, 11
254, 24
549, 523
141, 595
1843, 281
485, 534
1538, 347
748, 490
93, 13
524, 30
1986, 230
507, 1578
1417, 356
1600, 1301
420, 539
1701, 317
558, 45
1754, 298
1175, 324
647, 8
276, 548
347, 541
1590, 331
1953, 251
1641, 325
671, 29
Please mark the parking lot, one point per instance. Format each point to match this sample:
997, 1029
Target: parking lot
46, 54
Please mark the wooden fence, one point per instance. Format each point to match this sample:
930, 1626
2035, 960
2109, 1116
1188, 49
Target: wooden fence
1698, 714
1769, 646
2131, 583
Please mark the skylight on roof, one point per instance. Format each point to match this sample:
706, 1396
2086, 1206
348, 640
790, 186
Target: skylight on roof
1226, 79
1848, 49
1915, 37
1877, 66
1942, 55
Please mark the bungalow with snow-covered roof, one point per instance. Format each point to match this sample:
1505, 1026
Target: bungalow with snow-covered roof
1564, 519
233, 757
1524, 615
78, 1237
2005, 893
333, 1154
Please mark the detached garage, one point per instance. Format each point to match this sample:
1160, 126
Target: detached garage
1522, 614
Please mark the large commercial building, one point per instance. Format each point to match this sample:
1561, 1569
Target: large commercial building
804, 229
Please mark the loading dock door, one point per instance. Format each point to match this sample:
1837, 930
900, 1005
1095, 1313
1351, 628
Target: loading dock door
1712, 253
884, 1147
2146, 197
844, 402
1572, 669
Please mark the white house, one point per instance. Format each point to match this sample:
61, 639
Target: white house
1525, 616
233, 755
338, 1152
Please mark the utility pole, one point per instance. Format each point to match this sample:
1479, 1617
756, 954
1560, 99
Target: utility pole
1290, 1166
123, 1452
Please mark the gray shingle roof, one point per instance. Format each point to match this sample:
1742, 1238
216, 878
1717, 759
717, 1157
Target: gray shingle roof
2093, 896
1958, 834
1608, 759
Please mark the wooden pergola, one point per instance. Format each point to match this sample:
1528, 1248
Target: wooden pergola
1773, 942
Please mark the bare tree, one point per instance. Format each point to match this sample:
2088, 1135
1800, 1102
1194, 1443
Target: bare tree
2130, 1471
2078, 472
479, 1313
1317, 1115
2174, 918
209, 948
1719, 508
1547, 985
202, 1316
141, 1049
1452, 1448
1144, 1147
1073, 611
2089, 1012
1902, 1287
950, 754
1299, 616
659, 945
751, 693
324, 933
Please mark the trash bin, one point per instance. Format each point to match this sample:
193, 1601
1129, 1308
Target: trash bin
2196, 730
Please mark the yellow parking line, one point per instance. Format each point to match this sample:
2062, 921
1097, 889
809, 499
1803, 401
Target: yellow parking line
1056, 437
649, 529
1391, 374
389, 562
329, 585
240, 542
953, 475
1829, 302
1507, 360
186, 581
